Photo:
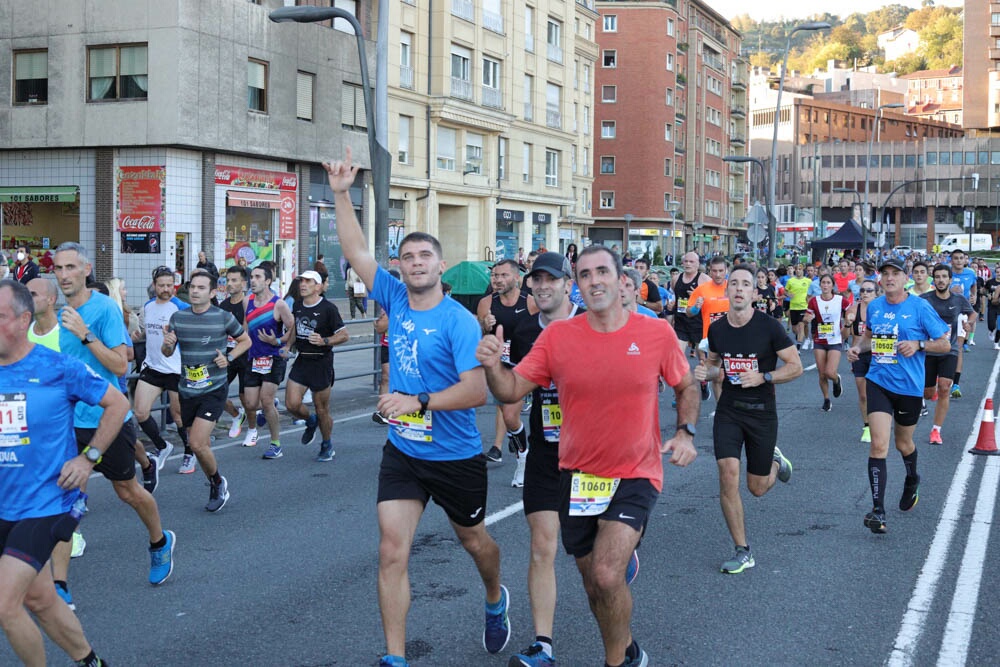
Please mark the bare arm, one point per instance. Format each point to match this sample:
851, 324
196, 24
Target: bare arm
338, 338
77, 470
792, 367
486, 319
242, 344
283, 313
468, 392
341, 176
681, 446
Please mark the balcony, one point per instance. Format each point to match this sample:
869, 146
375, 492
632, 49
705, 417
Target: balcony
463, 9
679, 182
995, 30
461, 89
529, 111
994, 54
406, 77
554, 53
738, 110
681, 80
493, 22
589, 4
680, 116
738, 84
492, 97
737, 140
737, 194
714, 62
553, 118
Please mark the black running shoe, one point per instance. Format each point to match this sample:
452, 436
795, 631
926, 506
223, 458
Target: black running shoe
494, 455
827, 405
911, 493
517, 442
151, 476
875, 521
838, 388
312, 423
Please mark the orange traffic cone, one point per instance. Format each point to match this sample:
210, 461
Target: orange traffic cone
986, 443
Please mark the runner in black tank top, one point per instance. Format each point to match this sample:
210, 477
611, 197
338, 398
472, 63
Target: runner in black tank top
687, 329
236, 285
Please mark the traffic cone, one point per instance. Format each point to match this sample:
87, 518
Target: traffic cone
986, 443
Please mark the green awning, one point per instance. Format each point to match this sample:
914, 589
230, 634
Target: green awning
38, 194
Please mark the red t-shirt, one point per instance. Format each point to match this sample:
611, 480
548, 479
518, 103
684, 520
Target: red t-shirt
608, 386
843, 282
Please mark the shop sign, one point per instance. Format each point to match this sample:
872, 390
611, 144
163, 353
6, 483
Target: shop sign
38, 194
141, 198
140, 243
509, 215
286, 182
541, 218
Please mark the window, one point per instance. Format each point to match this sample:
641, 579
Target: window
120, 73
607, 199
670, 62
610, 23
256, 85
473, 153
608, 129
526, 163
31, 77
586, 120
607, 164
576, 74
461, 72
304, 95
586, 78
609, 93
491, 84
403, 147
551, 167
576, 114
406, 59
586, 161
529, 29
553, 105
553, 41
668, 132
493, 16
446, 148
667, 166
610, 58
670, 27
572, 160
529, 93
670, 97
352, 107
351, 7
502, 159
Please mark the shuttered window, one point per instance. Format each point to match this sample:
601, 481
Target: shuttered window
352, 107
304, 95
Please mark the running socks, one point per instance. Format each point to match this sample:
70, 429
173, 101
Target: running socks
162, 542
92, 661
545, 643
152, 432
631, 653
216, 478
876, 478
910, 462
958, 376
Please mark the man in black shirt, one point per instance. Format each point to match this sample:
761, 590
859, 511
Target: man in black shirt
744, 348
318, 327
236, 305
649, 293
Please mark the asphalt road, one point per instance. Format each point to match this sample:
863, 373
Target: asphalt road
286, 573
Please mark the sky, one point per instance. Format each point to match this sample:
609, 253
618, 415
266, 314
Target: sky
791, 9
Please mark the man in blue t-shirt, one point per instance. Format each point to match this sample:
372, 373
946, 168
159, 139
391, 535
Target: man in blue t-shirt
434, 450
900, 329
91, 330
963, 282
40, 488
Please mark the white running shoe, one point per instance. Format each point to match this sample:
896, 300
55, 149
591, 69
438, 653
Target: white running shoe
162, 455
251, 439
187, 465
518, 480
79, 545
237, 424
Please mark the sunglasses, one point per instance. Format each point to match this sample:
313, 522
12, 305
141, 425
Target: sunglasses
866, 289
162, 271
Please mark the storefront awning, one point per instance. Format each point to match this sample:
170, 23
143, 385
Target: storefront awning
240, 199
38, 194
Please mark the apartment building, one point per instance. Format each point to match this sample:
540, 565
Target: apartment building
151, 131
935, 94
672, 103
491, 108
981, 66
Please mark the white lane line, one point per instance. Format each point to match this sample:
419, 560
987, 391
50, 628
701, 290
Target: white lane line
504, 513
913, 623
808, 368
958, 631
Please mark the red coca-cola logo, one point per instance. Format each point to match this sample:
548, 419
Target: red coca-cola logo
144, 223
289, 182
222, 175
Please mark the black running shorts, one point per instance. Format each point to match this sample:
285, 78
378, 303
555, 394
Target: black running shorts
236, 370
541, 479
750, 424
118, 461
29, 540
312, 371
632, 504
687, 328
796, 316
905, 410
165, 381
860, 367
275, 376
459, 487
384, 354
208, 406
939, 367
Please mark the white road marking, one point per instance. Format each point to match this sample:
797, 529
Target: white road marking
913, 623
504, 513
809, 368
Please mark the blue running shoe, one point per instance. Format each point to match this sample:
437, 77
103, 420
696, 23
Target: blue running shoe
261, 419
640, 659
161, 561
497, 631
66, 596
632, 571
326, 452
533, 656
393, 661
273, 452
312, 423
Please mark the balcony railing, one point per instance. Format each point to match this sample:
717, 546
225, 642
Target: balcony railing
713, 62
406, 77
463, 9
492, 97
493, 22
738, 110
554, 52
737, 139
529, 111
461, 88
553, 118
738, 84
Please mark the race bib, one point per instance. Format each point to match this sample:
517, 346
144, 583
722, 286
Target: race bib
590, 495
551, 421
682, 305
825, 330
505, 352
14, 420
262, 365
230, 342
734, 366
715, 317
413, 426
196, 377
884, 349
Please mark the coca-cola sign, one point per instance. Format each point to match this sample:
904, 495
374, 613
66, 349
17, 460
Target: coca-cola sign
141, 198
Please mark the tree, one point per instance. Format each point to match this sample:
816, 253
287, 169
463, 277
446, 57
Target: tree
911, 62
941, 41
886, 18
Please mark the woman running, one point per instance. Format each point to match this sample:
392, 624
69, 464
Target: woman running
767, 299
856, 318
825, 315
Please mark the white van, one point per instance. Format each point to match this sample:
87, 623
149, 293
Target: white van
961, 242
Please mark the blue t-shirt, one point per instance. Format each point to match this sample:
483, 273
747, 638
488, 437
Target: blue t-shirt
911, 319
104, 319
122, 382
37, 395
575, 296
428, 350
967, 278
642, 310
814, 288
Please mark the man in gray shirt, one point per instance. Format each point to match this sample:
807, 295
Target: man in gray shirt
940, 368
201, 333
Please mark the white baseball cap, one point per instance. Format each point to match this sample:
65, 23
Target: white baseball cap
312, 275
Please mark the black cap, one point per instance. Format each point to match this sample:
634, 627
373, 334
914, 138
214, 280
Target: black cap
894, 262
552, 263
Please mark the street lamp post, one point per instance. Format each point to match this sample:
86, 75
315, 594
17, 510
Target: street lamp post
377, 127
773, 218
628, 232
868, 167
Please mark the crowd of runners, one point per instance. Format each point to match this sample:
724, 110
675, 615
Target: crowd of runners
732, 331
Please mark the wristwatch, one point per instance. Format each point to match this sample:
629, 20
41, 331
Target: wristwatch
424, 399
88, 339
689, 428
922, 344
92, 455
229, 357
768, 379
